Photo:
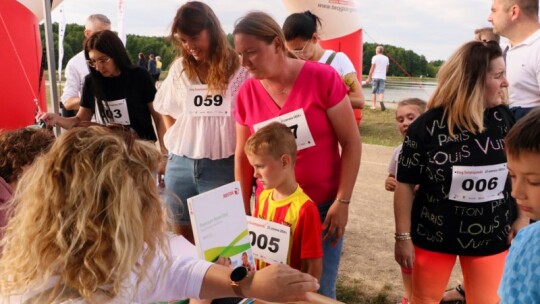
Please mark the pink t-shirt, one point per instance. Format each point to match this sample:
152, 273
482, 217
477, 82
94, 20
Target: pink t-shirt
317, 88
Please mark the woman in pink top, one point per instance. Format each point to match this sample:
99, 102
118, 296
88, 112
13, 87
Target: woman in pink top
312, 100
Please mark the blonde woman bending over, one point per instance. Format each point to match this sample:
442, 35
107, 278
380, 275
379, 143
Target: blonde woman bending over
88, 228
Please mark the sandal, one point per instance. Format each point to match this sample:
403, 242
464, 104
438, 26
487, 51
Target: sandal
459, 289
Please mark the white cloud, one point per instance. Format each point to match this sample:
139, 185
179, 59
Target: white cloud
433, 28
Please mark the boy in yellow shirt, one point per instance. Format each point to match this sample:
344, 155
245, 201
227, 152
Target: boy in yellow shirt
272, 153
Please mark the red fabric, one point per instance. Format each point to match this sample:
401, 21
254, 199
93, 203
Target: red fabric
481, 276
302, 216
21, 55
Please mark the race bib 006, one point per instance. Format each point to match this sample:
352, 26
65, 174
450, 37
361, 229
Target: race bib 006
478, 184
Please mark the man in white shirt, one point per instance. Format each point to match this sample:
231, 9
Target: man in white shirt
518, 21
76, 68
379, 67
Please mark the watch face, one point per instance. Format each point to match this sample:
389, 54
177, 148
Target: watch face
239, 273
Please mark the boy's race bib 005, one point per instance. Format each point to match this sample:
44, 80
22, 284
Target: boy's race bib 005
477, 184
296, 121
200, 103
116, 111
269, 240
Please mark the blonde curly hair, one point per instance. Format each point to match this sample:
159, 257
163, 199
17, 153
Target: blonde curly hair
89, 214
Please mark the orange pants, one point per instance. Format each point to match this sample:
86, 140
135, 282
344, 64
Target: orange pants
481, 276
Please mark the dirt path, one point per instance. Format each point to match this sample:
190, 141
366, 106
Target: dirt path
368, 254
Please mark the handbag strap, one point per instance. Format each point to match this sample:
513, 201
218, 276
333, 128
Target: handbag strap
329, 60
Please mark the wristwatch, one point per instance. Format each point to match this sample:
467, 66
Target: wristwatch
237, 275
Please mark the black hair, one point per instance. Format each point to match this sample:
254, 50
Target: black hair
301, 25
108, 43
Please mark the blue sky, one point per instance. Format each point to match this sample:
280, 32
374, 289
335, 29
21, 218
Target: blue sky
433, 28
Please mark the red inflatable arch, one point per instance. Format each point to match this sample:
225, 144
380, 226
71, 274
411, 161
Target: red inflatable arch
352, 45
21, 53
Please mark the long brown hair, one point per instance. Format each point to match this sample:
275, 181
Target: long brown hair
461, 86
192, 18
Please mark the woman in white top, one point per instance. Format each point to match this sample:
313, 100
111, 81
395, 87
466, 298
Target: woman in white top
88, 227
300, 30
197, 99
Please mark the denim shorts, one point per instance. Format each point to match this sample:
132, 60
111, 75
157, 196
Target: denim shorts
378, 86
186, 177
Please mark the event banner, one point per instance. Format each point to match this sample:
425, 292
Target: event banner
219, 226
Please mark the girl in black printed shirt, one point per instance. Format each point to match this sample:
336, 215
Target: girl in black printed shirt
455, 153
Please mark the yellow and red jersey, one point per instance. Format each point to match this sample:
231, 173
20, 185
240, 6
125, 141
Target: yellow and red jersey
300, 213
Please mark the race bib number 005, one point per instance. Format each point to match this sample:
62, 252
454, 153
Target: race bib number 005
269, 240
200, 103
296, 121
478, 184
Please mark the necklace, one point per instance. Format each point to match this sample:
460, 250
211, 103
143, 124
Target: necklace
267, 86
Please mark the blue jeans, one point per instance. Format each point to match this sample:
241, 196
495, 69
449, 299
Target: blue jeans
519, 112
188, 177
331, 258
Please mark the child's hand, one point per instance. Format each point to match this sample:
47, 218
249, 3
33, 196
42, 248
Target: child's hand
390, 184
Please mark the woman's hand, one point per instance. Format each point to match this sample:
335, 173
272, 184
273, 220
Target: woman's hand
335, 221
280, 283
404, 253
390, 183
51, 119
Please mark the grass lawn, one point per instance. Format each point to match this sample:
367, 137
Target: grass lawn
351, 291
379, 128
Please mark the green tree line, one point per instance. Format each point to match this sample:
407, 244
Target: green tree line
402, 62
414, 64
74, 37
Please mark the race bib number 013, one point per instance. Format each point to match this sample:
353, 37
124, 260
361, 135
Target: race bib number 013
269, 240
296, 121
478, 184
200, 103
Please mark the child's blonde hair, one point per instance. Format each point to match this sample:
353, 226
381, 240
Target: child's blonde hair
417, 102
274, 139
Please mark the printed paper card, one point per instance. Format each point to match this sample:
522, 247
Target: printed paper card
200, 103
296, 121
269, 240
478, 184
219, 226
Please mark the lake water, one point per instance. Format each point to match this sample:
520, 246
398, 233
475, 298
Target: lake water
399, 90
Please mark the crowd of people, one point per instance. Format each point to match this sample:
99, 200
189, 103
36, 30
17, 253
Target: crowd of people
82, 218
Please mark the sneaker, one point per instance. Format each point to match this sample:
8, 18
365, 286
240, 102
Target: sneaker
373, 108
383, 107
